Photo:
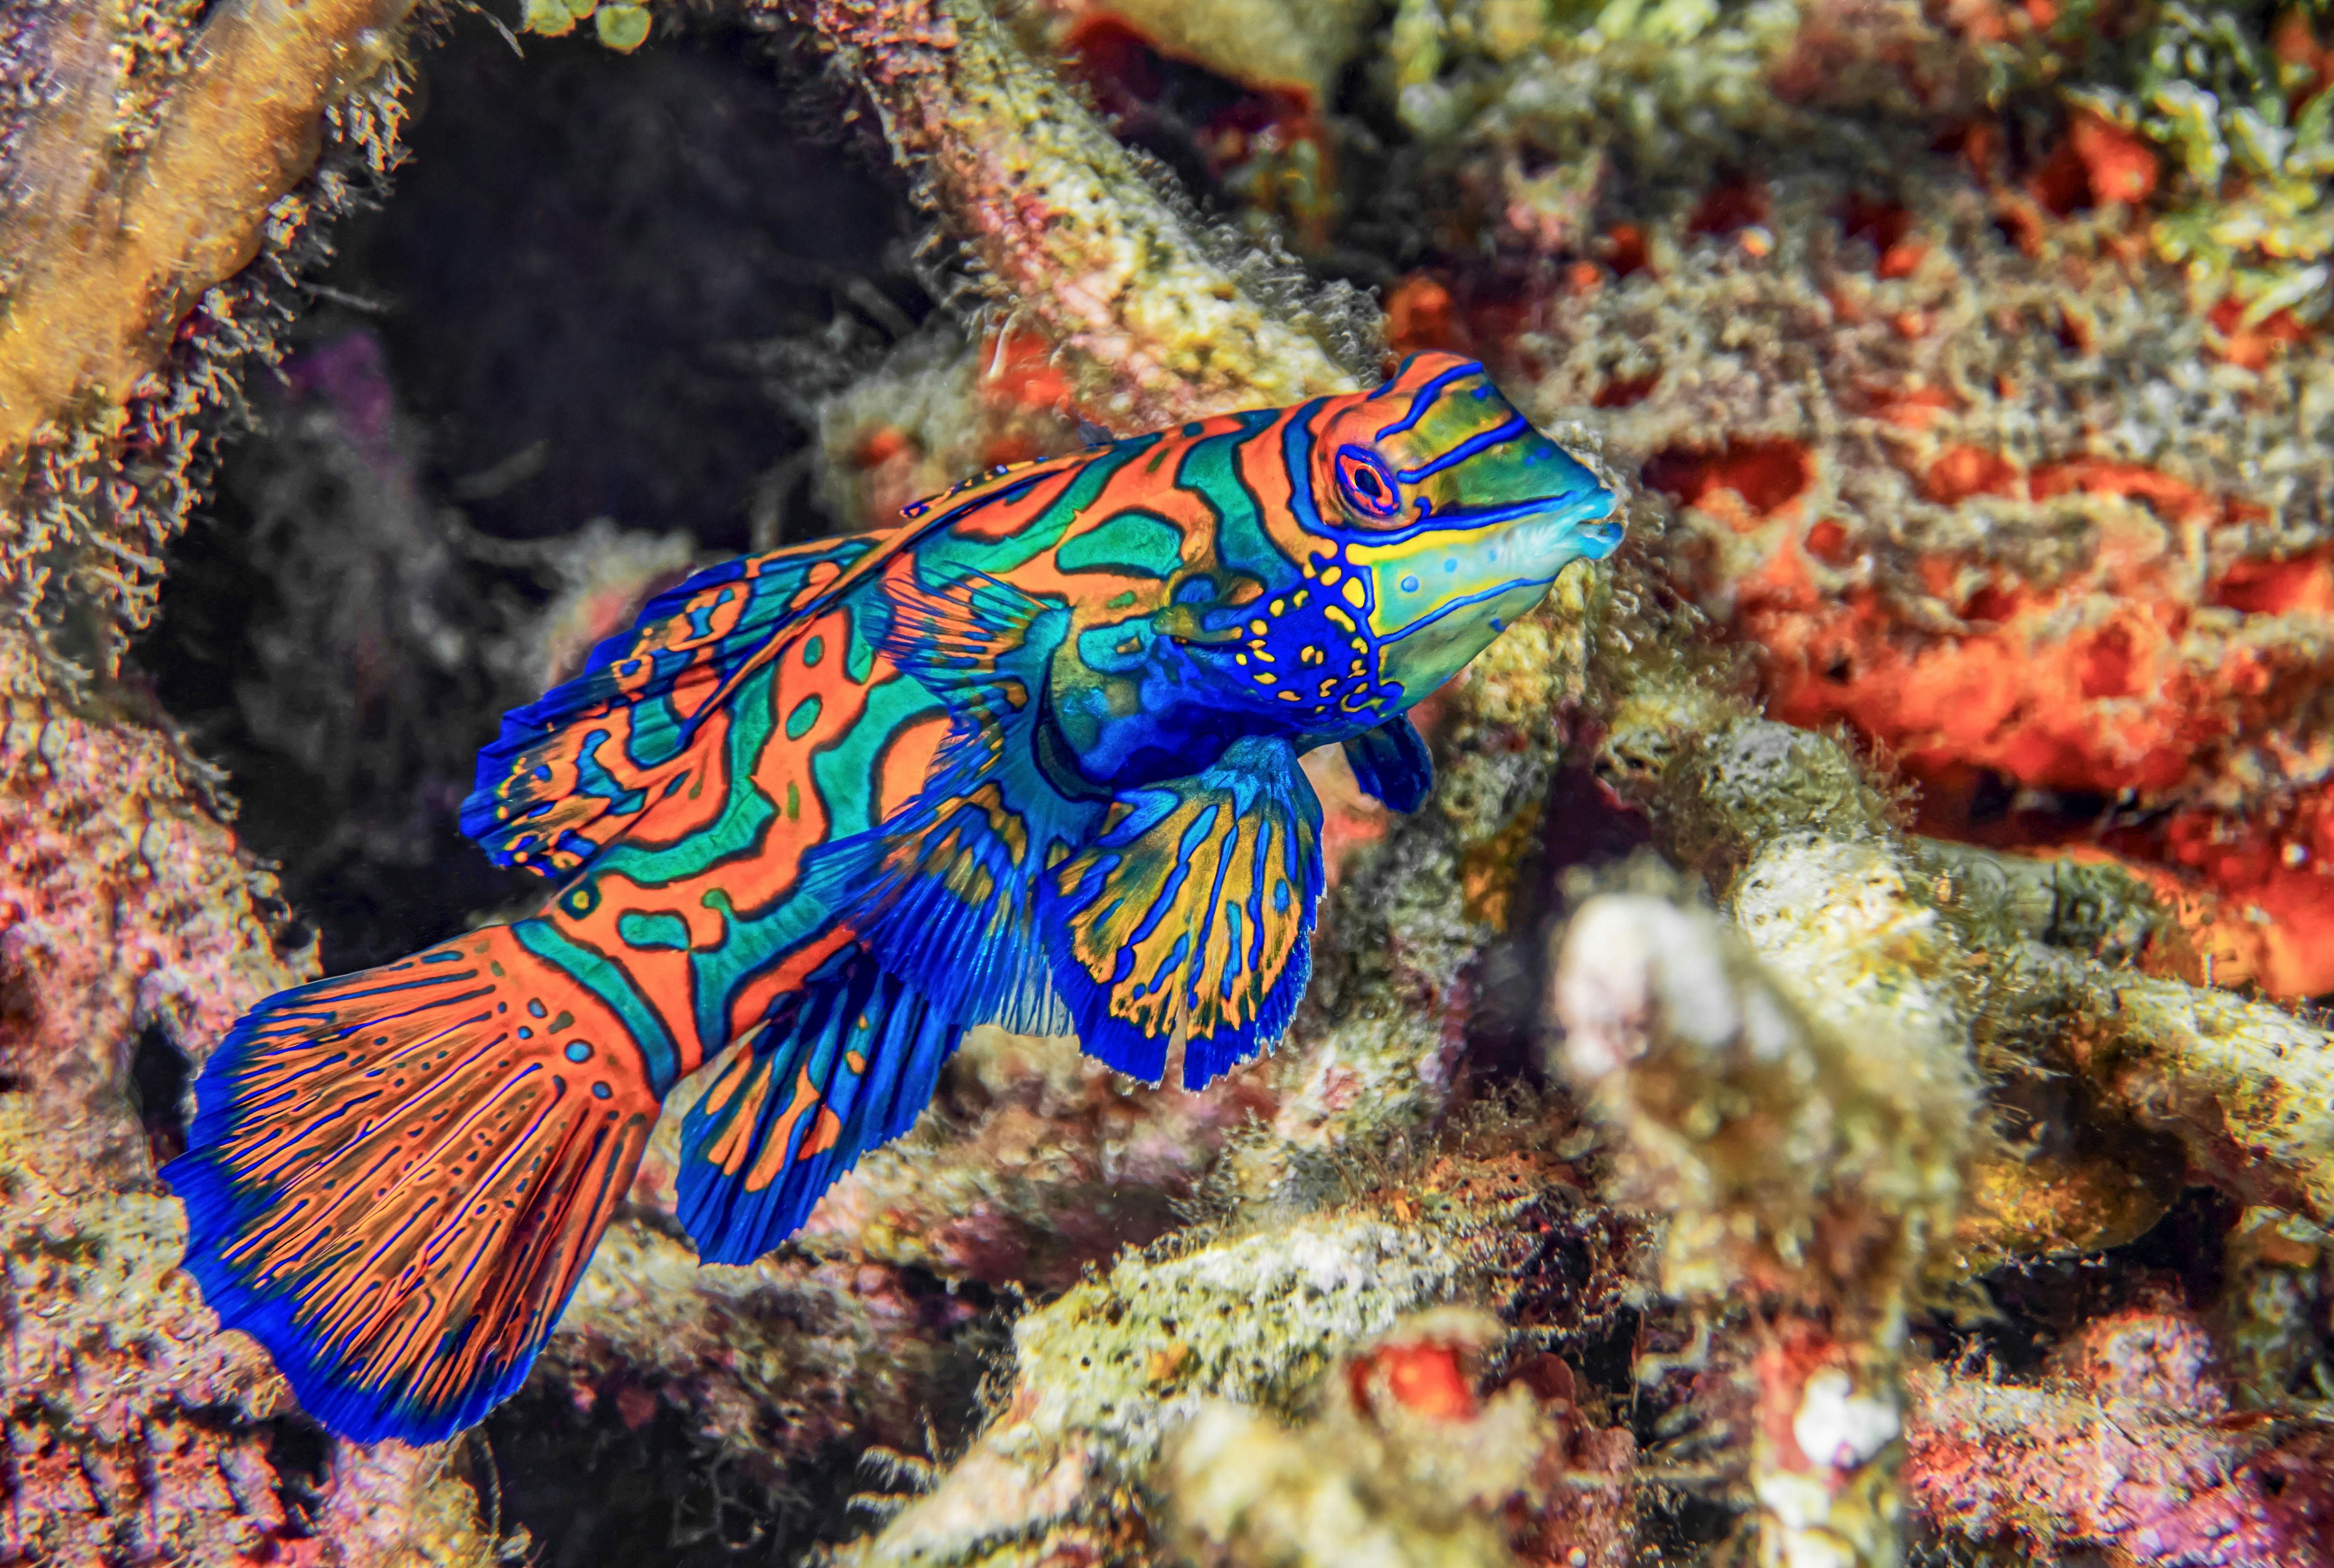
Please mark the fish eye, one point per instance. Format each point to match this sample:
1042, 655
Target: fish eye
1367, 483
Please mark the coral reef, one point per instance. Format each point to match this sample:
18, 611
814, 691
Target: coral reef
1789, 1163
2123, 1444
1832, 1074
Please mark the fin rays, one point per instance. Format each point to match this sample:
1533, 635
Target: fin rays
395, 1190
842, 1066
1189, 915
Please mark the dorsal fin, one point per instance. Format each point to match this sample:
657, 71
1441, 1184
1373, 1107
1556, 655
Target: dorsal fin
1005, 483
571, 770
985, 486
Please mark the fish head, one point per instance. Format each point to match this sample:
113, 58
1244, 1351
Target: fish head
1440, 516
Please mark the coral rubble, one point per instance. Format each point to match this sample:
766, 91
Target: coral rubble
1832, 1073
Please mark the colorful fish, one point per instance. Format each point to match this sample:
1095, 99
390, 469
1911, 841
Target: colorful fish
1030, 759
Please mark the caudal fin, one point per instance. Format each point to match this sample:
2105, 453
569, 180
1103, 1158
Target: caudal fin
395, 1178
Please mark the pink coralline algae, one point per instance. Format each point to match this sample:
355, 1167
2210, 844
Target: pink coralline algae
2128, 1442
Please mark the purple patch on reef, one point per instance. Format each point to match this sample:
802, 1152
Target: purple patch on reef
350, 373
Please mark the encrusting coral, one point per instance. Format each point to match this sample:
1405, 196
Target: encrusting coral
1919, 832
167, 186
1806, 1161
1155, 323
2125, 1443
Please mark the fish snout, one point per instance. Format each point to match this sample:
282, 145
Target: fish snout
1599, 540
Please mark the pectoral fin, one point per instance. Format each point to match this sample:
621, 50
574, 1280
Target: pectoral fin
1189, 915
944, 892
1392, 764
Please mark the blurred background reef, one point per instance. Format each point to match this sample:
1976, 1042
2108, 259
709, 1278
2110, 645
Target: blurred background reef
1837, 1074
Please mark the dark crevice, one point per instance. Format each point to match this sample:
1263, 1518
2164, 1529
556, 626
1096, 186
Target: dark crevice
301, 1454
601, 287
2038, 1303
623, 1476
160, 1076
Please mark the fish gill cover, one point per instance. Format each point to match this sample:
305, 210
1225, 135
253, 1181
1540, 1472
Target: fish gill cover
1836, 1068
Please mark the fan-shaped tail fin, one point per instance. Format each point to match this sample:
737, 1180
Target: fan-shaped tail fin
395, 1177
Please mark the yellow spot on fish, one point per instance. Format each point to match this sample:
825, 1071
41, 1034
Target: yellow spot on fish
1356, 595
1266, 677
1239, 658
1289, 696
1299, 600
1279, 607
1260, 627
1331, 575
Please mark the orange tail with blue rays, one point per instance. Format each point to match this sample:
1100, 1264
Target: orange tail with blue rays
398, 1175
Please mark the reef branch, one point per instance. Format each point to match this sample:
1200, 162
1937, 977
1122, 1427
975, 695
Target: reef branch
168, 184
1803, 1170
2246, 1087
1080, 243
110, 256
1104, 1375
1290, 1342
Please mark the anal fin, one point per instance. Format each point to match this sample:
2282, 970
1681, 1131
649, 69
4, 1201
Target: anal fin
845, 1064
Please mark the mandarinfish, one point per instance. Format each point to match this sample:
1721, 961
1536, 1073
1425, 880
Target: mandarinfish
1029, 759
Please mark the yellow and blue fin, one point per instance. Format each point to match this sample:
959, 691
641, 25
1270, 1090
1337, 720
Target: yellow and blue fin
394, 1178
843, 1065
1392, 764
1189, 915
573, 768
944, 892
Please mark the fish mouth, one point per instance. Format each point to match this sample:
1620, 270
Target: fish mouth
1472, 601
1558, 536
1601, 539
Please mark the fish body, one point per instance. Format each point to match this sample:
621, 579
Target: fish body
1029, 759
